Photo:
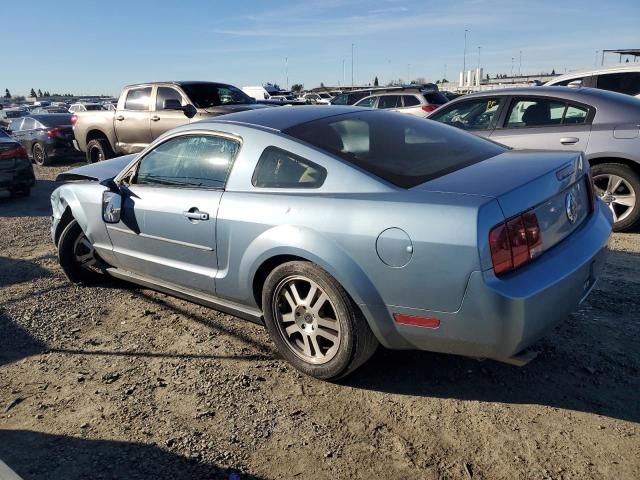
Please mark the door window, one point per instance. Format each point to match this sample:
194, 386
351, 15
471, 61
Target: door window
367, 102
191, 161
543, 112
477, 114
28, 124
624, 82
16, 125
138, 99
278, 168
166, 93
410, 101
389, 101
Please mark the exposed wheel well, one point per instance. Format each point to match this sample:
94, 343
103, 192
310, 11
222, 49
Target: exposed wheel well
265, 269
635, 166
96, 135
66, 218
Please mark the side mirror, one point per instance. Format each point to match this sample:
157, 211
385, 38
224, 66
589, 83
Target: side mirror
111, 207
189, 110
171, 104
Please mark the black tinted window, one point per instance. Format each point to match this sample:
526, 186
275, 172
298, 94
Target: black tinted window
410, 101
102, 107
190, 161
541, 112
278, 168
138, 99
204, 95
435, 98
167, 93
55, 120
405, 151
340, 100
389, 101
624, 82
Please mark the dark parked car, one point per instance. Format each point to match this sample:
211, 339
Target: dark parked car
16, 171
7, 116
45, 136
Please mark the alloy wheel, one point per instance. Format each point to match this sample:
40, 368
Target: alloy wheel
85, 253
306, 319
617, 193
38, 154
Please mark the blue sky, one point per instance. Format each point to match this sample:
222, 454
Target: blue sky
96, 46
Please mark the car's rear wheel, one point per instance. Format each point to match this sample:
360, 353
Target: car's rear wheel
40, 155
77, 256
99, 150
314, 323
619, 187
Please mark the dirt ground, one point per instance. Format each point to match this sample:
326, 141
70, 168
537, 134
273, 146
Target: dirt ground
121, 382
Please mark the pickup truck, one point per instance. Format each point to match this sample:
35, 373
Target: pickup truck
147, 110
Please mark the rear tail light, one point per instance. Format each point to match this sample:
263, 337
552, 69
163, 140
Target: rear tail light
515, 242
54, 132
12, 153
74, 119
429, 108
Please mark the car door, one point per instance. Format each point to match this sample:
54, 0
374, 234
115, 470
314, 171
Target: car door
166, 116
478, 115
26, 133
544, 123
132, 120
167, 229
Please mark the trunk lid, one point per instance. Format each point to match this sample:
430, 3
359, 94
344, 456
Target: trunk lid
554, 184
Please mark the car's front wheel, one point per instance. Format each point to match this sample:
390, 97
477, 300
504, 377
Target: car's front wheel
619, 187
314, 323
40, 155
77, 255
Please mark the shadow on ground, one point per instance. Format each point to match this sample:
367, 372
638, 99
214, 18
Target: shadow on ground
18, 271
15, 342
39, 456
36, 205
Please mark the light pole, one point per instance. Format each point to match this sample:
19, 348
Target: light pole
352, 65
445, 72
286, 69
479, 48
520, 65
464, 57
512, 59
408, 73
595, 64
343, 70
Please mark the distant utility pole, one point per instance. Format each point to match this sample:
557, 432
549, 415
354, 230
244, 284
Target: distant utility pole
286, 69
464, 57
520, 65
408, 73
352, 65
595, 64
512, 59
343, 77
479, 57
445, 72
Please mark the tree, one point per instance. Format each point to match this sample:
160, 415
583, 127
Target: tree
32, 93
39, 93
297, 87
375, 82
553, 72
487, 77
46, 93
7, 93
322, 84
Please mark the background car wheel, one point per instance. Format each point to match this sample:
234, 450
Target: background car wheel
619, 187
40, 155
99, 150
77, 256
314, 323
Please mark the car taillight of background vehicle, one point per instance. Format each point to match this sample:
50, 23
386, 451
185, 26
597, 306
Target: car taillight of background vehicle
429, 108
74, 119
54, 132
515, 242
13, 153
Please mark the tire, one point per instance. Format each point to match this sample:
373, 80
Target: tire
98, 150
74, 246
624, 200
333, 348
40, 156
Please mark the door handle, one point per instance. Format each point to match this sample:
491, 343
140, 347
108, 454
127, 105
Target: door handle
119, 118
569, 140
155, 118
195, 214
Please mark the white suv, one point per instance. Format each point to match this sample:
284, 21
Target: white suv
412, 101
620, 78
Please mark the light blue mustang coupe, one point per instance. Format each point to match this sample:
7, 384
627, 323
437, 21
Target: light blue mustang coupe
341, 228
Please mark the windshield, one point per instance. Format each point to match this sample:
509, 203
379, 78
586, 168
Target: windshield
204, 95
15, 114
402, 149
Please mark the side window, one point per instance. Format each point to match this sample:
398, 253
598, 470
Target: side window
167, 93
194, 161
564, 83
626, 82
278, 168
138, 99
389, 101
410, 101
368, 102
28, 124
16, 125
575, 115
469, 115
535, 112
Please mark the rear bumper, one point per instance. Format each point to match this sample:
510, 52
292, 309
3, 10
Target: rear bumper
16, 175
500, 317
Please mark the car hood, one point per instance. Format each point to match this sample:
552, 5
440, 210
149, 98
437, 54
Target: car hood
97, 171
222, 109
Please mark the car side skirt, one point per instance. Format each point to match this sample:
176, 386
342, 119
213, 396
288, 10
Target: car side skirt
246, 313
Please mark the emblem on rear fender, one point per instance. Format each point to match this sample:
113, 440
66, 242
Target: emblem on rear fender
571, 207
